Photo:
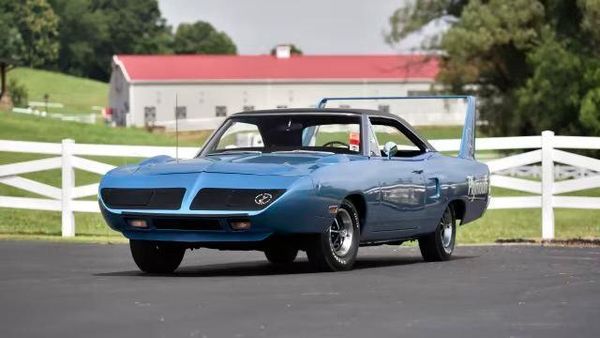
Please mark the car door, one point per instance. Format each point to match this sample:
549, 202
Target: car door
402, 182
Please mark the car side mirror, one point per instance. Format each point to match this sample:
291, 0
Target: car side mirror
390, 149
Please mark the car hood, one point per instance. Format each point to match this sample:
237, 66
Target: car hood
269, 164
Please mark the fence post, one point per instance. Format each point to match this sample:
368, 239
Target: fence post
547, 185
68, 183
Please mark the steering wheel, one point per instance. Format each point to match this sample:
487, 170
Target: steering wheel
333, 143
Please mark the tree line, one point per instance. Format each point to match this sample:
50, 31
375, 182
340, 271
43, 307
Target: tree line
534, 64
79, 37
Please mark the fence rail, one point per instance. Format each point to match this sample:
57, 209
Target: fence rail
545, 149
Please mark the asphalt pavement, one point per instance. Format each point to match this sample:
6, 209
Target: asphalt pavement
87, 290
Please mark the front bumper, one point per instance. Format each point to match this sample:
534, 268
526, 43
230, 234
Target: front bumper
298, 211
218, 228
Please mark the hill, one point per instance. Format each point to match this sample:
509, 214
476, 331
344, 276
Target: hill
33, 128
78, 95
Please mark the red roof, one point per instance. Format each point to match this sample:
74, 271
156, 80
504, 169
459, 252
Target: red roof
267, 67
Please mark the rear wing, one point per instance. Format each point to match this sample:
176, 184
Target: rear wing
467, 141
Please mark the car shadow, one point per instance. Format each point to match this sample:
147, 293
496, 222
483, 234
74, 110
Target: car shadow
263, 268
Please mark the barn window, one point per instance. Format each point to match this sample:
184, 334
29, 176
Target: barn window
180, 112
248, 108
221, 111
384, 108
420, 93
149, 115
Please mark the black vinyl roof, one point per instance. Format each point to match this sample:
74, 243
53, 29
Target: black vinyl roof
334, 111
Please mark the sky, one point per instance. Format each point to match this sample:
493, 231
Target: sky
315, 26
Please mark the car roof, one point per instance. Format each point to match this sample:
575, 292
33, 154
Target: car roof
337, 111
332, 111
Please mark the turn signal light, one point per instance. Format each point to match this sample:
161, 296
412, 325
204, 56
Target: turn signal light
240, 225
138, 223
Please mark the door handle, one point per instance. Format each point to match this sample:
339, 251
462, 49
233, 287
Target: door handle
417, 171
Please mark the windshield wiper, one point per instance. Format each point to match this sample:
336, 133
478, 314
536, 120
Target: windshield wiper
234, 152
303, 151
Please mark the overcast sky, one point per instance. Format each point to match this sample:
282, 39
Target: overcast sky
316, 26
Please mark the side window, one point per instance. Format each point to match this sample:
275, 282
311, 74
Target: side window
389, 133
220, 111
384, 108
241, 135
346, 136
181, 112
149, 115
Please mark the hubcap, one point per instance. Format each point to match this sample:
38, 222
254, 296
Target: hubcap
341, 233
446, 233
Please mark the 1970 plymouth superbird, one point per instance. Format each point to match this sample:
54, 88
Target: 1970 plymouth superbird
325, 181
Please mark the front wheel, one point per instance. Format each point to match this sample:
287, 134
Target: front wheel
439, 245
156, 257
280, 254
336, 248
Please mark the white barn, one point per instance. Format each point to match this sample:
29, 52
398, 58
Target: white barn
203, 89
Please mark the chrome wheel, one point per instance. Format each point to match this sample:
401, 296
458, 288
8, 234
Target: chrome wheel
336, 247
439, 245
447, 227
341, 233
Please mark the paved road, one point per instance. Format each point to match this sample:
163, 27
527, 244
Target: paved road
75, 290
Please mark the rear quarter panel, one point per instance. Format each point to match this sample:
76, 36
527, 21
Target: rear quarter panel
460, 179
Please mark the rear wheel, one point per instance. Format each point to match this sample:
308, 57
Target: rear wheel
156, 257
439, 245
280, 254
336, 248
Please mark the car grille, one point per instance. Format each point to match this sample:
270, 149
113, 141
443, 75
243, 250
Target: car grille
158, 198
235, 199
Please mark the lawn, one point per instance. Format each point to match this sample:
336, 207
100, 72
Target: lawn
78, 95
494, 225
31, 128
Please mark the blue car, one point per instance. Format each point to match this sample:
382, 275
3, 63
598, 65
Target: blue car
325, 181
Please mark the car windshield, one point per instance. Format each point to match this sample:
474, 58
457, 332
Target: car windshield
287, 133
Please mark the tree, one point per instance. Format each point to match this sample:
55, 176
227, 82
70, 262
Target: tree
533, 63
81, 31
92, 31
11, 47
202, 38
416, 14
38, 25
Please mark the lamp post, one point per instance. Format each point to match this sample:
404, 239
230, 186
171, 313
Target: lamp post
46, 97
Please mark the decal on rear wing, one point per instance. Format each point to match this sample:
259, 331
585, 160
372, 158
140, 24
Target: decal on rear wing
467, 142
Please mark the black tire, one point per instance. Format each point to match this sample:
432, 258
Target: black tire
433, 247
156, 257
321, 251
281, 254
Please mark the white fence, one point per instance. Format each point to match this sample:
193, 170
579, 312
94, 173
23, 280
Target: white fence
561, 172
545, 149
81, 118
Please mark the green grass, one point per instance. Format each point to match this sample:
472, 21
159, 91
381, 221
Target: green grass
438, 132
526, 223
78, 95
31, 128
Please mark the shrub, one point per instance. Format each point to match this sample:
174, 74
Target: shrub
18, 93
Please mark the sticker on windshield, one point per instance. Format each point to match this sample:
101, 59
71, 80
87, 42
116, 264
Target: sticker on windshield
354, 141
